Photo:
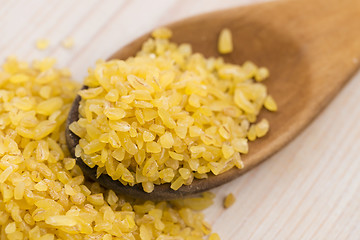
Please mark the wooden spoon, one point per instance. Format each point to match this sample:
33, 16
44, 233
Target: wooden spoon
311, 47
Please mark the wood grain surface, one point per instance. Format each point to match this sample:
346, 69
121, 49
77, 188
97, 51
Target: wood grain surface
308, 190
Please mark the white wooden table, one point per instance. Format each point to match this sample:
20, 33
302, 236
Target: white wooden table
309, 190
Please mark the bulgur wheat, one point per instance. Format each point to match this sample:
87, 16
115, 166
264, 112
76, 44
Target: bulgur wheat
43, 194
168, 115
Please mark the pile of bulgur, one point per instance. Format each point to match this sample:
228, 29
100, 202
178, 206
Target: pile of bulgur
43, 194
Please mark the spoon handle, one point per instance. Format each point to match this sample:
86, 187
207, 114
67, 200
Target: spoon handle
329, 28
328, 32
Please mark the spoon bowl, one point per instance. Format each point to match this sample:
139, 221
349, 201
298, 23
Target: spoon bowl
311, 48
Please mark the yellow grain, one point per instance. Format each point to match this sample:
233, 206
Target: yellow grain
225, 44
214, 236
229, 200
270, 104
42, 44
68, 42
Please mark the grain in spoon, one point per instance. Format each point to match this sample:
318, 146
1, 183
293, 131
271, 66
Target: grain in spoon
312, 48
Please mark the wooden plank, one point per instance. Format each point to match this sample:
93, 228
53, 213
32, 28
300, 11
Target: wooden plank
309, 190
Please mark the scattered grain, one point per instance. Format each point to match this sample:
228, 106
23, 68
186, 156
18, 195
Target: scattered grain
229, 200
42, 44
225, 44
68, 42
